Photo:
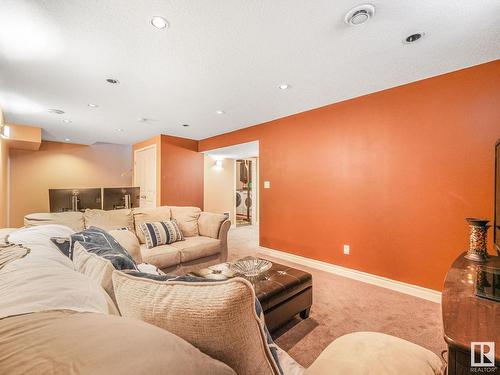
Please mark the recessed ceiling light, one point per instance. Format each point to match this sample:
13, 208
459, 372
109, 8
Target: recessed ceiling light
413, 38
67, 121
92, 105
142, 119
284, 86
185, 125
220, 112
119, 129
112, 81
159, 22
359, 15
56, 111
67, 140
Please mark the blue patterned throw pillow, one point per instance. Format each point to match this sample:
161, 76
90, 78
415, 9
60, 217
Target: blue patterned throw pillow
98, 241
161, 233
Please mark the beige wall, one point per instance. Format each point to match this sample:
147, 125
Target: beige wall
4, 178
220, 187
62, 165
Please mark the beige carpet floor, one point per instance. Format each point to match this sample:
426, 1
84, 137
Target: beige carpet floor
342, 305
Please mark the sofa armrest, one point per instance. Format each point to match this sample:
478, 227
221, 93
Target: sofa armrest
362, 353
223, 231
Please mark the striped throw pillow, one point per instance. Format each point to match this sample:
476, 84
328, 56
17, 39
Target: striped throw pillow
161, 233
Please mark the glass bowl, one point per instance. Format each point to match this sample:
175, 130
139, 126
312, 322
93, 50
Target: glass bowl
251, 268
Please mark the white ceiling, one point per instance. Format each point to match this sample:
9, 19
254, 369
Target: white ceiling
219, 54
240, 151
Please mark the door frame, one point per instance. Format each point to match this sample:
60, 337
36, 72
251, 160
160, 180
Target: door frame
153, 146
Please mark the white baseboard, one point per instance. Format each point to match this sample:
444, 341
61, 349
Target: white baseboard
413, 290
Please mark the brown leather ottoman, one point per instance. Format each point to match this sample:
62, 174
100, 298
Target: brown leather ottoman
283, 293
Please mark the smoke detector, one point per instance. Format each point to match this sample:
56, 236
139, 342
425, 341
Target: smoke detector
359, 15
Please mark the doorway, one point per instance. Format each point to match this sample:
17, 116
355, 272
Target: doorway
231, 183
245, 195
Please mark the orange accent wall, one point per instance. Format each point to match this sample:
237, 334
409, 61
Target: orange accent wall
179, 170
393, 174
182, 172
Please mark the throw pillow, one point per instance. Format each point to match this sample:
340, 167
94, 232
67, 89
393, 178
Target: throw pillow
98, 241
222, 319
97, 268
187, 218
149, 215
108, 220
64, 245
161, 233
128, 240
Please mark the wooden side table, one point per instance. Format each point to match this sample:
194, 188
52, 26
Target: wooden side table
468, 318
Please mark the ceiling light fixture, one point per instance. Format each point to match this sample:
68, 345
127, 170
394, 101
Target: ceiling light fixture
119, 130
67, 140
185, 125
142, 119
56, 111
92, 105
413, 38
112, 81
284, 86
159, 22
220, 112
66, 121
359, 15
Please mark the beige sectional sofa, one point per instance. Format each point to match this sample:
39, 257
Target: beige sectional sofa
66, 322
205, 233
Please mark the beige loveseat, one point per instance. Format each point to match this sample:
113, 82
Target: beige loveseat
205, 233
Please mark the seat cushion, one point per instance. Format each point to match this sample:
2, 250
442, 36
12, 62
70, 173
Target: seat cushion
108, 220
148, 215
197, 247
187, 218
64, 342
74, 220
371, 353
163, 256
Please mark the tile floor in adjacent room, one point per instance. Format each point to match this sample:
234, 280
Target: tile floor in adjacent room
342, 305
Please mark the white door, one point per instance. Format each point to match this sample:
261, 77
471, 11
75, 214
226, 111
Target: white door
145, 175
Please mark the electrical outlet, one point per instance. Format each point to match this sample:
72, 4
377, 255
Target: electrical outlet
347, 249
267, 184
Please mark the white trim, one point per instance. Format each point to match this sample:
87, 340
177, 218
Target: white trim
413, 290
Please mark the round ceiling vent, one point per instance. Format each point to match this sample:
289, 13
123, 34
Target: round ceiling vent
413, 38
360, 14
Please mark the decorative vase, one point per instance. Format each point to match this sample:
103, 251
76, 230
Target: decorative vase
478, 230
